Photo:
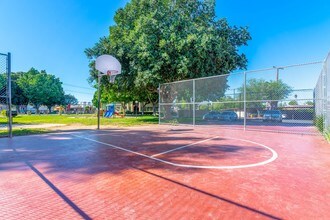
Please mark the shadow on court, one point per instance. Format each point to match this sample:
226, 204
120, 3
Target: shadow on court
69, 153
101, 174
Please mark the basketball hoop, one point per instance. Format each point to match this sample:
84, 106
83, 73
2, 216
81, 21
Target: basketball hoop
112, 75
112, 72
106, 65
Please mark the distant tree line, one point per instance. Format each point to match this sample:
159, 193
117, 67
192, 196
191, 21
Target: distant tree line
37, 88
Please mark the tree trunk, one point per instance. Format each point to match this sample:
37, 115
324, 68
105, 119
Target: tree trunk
49, 109
144, 104
123, 105
273, 105
142, 107
154, 108
37, 108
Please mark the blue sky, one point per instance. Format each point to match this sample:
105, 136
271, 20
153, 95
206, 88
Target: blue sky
52, 35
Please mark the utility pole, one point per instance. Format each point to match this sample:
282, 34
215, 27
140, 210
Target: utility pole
278, 72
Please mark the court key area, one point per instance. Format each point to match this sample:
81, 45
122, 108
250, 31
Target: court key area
165, 172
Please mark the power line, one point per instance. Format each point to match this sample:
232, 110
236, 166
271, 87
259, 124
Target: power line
68, 90
81, 87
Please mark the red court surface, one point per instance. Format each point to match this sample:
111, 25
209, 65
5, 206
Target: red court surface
163, 172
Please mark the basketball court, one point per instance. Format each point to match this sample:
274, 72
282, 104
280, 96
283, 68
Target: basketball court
165, 172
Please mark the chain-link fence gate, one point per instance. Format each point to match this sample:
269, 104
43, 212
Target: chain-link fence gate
5, 96
278, 99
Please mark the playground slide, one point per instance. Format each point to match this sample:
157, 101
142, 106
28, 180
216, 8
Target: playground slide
109, 112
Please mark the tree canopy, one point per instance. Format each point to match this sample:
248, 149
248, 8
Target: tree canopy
260, 89
18, 96
3, 88
159, 41
70, 100
41, 88
3, 79
293, 102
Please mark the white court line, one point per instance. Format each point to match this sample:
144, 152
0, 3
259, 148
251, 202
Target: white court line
188, 145
105, 134
274, 156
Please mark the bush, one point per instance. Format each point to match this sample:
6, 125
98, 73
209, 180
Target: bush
128, 112
318, 122
327, 135
148, 113
4, 113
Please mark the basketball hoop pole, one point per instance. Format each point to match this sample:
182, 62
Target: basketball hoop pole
99, 75
105, 65
98, 101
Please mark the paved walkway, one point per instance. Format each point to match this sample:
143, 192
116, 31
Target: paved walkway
111, 175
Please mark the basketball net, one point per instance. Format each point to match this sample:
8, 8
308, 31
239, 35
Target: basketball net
111, 77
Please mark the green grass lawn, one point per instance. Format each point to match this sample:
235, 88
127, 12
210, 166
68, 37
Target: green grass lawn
24, 131
83, 120
71, 120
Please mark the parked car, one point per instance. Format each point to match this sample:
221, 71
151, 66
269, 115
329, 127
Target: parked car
228, 116
212, 115
273, 115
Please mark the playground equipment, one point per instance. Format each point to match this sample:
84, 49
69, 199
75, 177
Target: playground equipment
118, 114
110, 111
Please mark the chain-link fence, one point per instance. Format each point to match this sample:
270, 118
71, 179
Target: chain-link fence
280, 99
5, 96
322, 98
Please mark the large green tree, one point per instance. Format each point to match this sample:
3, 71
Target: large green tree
54, 91
18, 96
259, 91
160, 41
41, 88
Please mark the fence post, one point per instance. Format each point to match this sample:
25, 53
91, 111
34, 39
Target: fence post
194, 109
244, 97
159, 103
10, 125
324, 96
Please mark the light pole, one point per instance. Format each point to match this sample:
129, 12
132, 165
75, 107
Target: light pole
278, 72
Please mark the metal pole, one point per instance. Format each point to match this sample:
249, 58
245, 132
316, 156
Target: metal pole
10, 128
324, 98
194, 109
245, 115
98, 102
278, 72
158, 104
234, 101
